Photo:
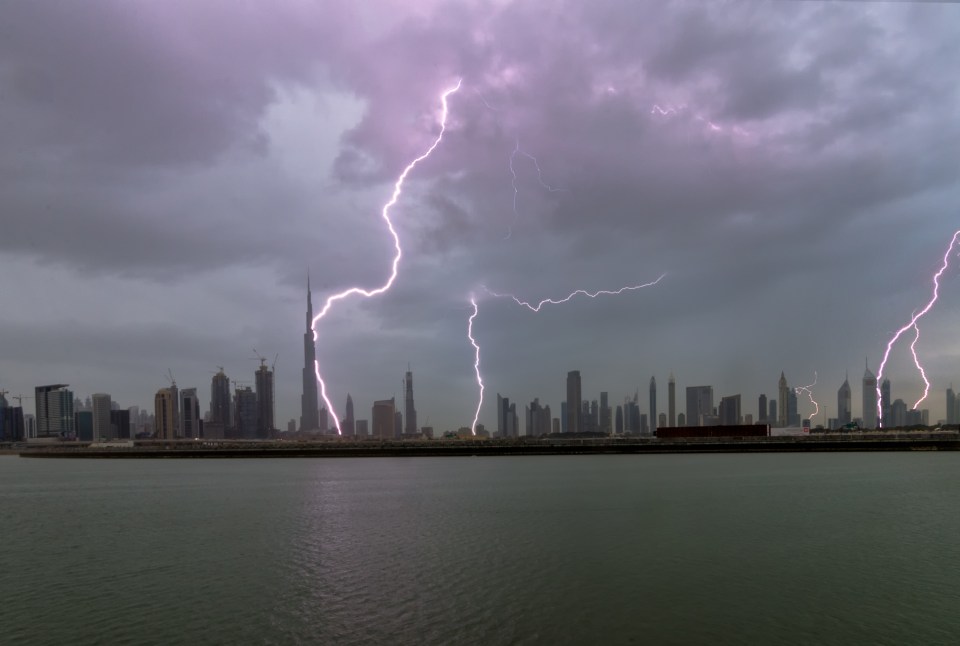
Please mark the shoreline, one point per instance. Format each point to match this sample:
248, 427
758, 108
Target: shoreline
219, 449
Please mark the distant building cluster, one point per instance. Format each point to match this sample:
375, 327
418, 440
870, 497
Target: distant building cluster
239, 411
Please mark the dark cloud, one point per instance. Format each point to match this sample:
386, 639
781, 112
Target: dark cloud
792, 167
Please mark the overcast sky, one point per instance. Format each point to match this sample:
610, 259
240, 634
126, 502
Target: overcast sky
170, 169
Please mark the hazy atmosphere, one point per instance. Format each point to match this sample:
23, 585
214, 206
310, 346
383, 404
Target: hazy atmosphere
170, 170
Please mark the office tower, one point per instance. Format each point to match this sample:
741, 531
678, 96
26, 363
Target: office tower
382, 418
101, 417
263, 379
729, 410
29, 426
83, 425
606, 425
869, 399
594, 417
682, 419
793, 416
514, 422
165, 418
772, 413
783, 419
898, 413
11, 422
54, 411
574, 412
619, 422
503, 416
563, 417
397, 424
309, 410
349, 423
644, 428
633, 422
671, 401
220, 409
190, 413
699, 404
538, 419
120, 424
662, 420
362, 429
884, 402
245, 400
653, 405
951, 406
410, 424
762, 408
844, 403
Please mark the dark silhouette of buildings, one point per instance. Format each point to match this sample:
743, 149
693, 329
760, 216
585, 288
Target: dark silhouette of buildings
574, 403
410, 424
309, 410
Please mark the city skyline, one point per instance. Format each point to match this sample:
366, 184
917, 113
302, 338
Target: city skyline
791, 167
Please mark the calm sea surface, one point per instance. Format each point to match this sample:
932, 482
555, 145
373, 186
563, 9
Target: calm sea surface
662, 549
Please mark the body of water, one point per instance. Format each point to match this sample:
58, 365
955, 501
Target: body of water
828, 548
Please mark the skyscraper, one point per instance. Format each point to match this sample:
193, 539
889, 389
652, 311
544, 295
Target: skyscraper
885, 402
870, 410
653, 405
783, 396
605, 421
574, 412
190, 413
165, 424
672, 401
263, 379
101, 417
844, 403
349, 422
699, 404
410, 423
729, 410
54, 411
619, 422
309, 410
220, 400
382, 419
762, 409
246, 407
951, 406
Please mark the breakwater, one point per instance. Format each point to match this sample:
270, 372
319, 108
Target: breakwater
335, 448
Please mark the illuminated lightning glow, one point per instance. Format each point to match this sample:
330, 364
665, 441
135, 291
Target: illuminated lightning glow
913, 324
809, 391
385, 213
604, 292
513, 182
476, 363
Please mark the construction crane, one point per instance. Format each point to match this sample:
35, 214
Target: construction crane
260, 357
20, 399
169, 377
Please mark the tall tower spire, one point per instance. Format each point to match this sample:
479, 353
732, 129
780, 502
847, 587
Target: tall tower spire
309, 412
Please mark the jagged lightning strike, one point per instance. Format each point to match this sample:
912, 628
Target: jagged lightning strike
913, 324
476, 363
536, 308
385, 214
809, 391
513, 182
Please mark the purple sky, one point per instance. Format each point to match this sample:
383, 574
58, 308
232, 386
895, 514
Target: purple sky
169, 170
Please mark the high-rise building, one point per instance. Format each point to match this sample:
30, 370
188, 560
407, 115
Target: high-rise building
101, 417
563, 417
382, 418
11, 422
190, 413
54, 411
323, 421
349, 423
619, 423
309, 410
951, 406
772, 414
574, 399
503, 416
783, 396
410, 411
83, 425
363, 432
220, 408
870, 410
844, 403
729, 411
793, 414
606, 426
653, 405
671, 401
245, 400
898, 413
538, 419
699, 404
397, 424
885, 403
762, 409
165, 417
263, 380
120, 424
29, 426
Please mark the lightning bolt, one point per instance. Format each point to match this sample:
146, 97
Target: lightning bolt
809, 391
913, 324
513, 182
385, 214
476, 363
536, 308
